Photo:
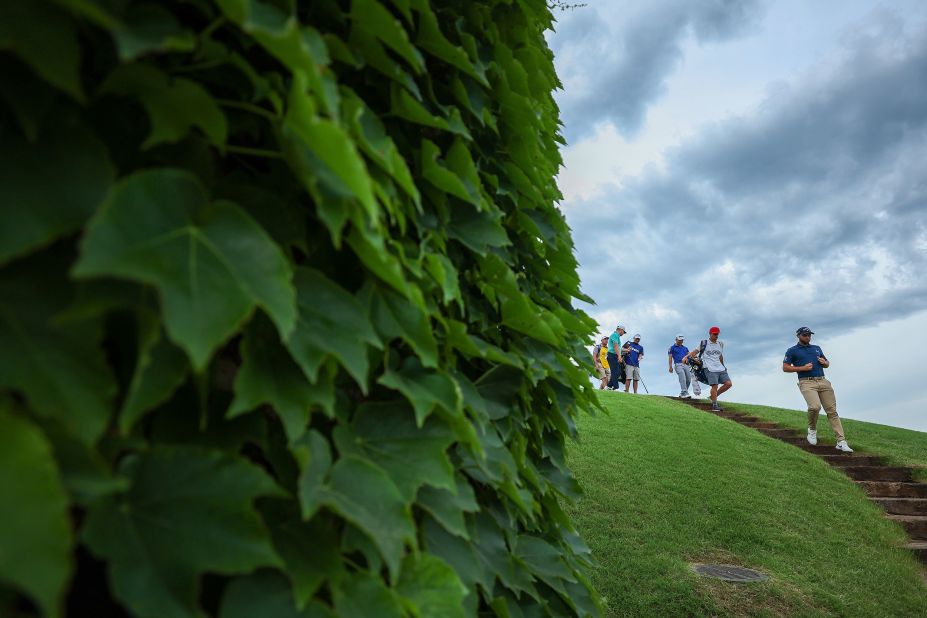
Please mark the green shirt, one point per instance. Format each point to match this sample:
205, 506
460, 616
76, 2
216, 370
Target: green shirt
614, 343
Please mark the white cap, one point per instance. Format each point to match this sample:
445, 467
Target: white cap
621, 327
637, 336
679, 337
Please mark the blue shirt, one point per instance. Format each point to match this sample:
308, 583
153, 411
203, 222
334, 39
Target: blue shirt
633, 357
799, 355
678, 352
614, 343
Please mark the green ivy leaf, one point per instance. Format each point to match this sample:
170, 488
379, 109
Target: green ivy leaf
320, 151
43, 36
331, 322
480, 231
298, 47
174, 105
404, 106
59, 367
448, 507
544, 559
431, 39
85, 473
51, 185
445, 274
519, 312
460, 554
269, 375
373, 18
94, 10
265, 594
211, 263
441, 177
364, 494
35, 531
363, 595
430, 587
160, 369
377, 144
147, 28
499, 388
372, 249
187, 511
489, 544
425, 389
412, 456
309, 549
395, 317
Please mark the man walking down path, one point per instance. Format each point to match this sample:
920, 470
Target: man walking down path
632, 362
614, 357
711, 353
809, 362
600, 361
677, 355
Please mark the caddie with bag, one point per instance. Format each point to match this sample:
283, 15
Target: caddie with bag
711, 355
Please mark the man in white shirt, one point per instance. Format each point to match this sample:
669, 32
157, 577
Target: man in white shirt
711, 353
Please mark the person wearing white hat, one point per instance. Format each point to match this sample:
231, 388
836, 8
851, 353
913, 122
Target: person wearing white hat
678, 354
632, 362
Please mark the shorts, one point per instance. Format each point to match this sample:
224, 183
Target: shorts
602, 372
632, 373
717, 377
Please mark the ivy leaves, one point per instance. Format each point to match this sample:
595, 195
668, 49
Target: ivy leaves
50, 186
35, 534
211, 263
187, 511
286, 310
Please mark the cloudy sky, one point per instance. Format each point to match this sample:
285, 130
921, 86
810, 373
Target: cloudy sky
759, 165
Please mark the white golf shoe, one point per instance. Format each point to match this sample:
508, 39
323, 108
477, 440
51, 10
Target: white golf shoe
812, 437
843, 446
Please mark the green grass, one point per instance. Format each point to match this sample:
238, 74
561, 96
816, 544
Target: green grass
667, 485
903, 447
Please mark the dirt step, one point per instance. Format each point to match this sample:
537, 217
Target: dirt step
889, 489
760, 425
740, 418
784, 432
877, 473
817, 449
920, 550
915, 525
903, 506
843, 460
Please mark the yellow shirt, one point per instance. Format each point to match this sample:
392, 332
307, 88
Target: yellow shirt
603, 356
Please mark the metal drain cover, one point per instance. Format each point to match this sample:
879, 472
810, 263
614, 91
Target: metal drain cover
729, 573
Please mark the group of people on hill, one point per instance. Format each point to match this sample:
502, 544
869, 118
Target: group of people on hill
618, 363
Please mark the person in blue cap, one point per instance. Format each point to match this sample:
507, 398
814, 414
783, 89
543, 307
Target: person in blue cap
678, 355
632, 362
809, 362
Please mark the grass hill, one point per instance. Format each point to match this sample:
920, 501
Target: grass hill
667, 485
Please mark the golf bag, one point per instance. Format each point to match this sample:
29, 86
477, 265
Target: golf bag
698, 370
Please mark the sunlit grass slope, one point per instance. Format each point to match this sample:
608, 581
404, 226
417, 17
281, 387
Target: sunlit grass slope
667, 485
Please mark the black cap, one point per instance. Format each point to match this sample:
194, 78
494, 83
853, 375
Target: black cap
804, 330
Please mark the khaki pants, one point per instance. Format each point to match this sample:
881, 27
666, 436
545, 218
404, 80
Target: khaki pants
819, 392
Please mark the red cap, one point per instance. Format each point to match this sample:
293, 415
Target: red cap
714, 330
